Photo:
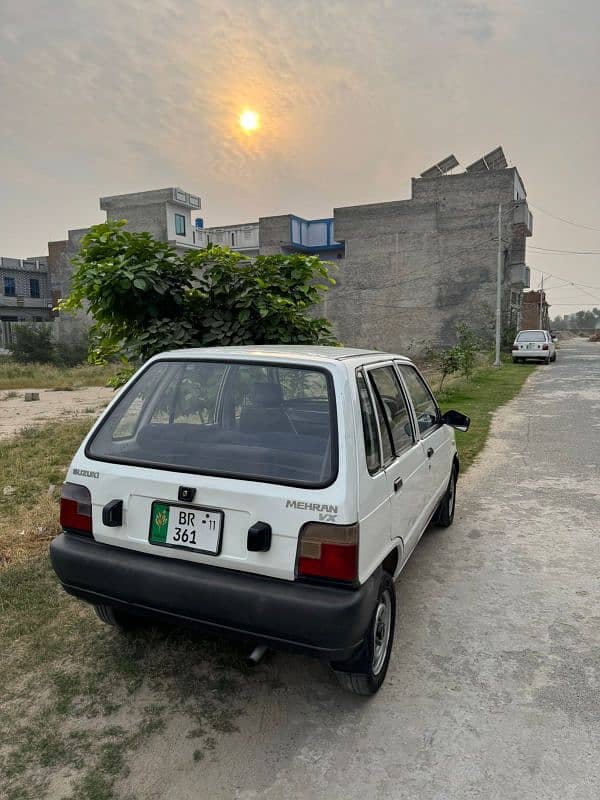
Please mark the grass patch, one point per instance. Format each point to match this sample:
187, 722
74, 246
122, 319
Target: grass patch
34, 464
478, 397
47, 376
78, 696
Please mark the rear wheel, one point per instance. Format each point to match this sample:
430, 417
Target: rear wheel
117, 618
444, 516
547, 360
365, 673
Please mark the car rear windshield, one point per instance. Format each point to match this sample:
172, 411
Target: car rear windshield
531, 336
239, 420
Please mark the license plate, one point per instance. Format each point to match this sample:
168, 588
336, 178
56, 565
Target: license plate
531, 346
188, 527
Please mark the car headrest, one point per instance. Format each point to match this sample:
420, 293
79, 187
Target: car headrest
266, 394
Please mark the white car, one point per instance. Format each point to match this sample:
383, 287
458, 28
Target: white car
533, 345
270, 492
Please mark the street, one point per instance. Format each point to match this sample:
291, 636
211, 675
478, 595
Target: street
493, 689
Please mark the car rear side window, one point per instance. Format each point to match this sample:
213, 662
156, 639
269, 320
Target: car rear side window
244, 420
369, 423
425, 406
392, 402
531, 336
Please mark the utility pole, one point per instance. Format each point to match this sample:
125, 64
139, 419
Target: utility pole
497, 362
542, 302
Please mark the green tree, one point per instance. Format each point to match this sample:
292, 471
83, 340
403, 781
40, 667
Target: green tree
146, 298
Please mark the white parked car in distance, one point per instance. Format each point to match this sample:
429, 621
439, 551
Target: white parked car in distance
270, 492
536, 344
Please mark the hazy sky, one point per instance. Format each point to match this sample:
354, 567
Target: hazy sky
355, 97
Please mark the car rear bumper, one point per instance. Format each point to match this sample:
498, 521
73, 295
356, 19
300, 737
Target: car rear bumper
329, 622
533, 354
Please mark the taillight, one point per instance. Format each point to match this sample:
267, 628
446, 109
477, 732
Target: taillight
545, 347
515, 346
328, 551
76, 508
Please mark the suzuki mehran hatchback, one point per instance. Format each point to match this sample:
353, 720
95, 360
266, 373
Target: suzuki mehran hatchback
269, 492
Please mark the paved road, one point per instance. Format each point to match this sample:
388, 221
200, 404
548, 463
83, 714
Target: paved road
493, 690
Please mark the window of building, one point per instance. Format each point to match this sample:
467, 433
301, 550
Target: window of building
179, 225
232, 239
10, 287
34, 287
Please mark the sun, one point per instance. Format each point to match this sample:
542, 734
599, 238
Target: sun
249, 121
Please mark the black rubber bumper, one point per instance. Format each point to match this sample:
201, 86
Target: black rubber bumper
329, 622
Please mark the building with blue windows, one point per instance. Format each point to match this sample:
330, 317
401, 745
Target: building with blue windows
25, 294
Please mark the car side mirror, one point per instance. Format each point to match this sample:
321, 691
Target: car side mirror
456, 420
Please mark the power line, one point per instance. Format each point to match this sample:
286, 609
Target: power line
554, 251
567, 280
562, 219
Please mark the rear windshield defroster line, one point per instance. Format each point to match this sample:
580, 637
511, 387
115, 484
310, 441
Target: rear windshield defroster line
248, 420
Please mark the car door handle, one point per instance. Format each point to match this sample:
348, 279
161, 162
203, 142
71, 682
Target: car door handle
398, 484
430, 452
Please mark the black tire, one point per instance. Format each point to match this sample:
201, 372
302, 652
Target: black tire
365, 673
547, 360
444, 516
515, 360
117, 618
553, 359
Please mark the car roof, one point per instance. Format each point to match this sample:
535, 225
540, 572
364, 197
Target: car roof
296, 352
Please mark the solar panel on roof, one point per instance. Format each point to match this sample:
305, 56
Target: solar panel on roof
496, 159
493, 160
441, 168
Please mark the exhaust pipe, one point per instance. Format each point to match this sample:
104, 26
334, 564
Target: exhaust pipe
257, 654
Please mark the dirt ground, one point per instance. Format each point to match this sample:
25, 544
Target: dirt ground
16, 414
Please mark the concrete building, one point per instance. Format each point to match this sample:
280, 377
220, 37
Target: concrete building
410, 270
25, 294
243, 238
535, 311
164, 213
413, 269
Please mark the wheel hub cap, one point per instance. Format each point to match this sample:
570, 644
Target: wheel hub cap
381, 632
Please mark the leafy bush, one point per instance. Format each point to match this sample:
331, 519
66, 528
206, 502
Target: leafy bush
467, 347
508, 337
71, 353
146, 298
32, 344
459, 358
